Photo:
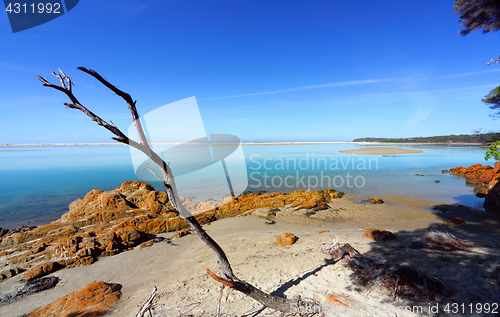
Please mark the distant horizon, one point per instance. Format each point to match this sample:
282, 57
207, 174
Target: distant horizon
268, 142
248, 143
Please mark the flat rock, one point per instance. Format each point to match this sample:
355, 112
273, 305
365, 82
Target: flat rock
95, 299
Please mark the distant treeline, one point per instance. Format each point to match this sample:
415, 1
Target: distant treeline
484, 138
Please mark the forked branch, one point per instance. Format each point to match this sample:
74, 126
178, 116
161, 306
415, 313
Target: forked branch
229, 279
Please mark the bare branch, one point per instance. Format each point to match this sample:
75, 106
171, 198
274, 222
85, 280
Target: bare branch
218, 278
77, 105
126, 97
147, 306
229, 279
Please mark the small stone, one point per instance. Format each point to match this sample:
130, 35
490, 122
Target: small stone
377, 234
373, 201
271, 214
455, 221
286, 239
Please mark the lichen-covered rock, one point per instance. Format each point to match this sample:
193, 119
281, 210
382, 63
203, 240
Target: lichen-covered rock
377, 234
104, 223
286, 239
5, 274
95, 299
454, 221
373, 201
3, 232
483, 178
492, 199
42, 270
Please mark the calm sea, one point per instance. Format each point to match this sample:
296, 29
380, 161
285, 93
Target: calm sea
38, 182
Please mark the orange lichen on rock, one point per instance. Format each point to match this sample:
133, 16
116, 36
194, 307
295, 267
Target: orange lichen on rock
454, 221
42, 270
484, 178
377, 234
182, 233
479, 176
95, 299
286, 239
373, 201
323, 231
105, 223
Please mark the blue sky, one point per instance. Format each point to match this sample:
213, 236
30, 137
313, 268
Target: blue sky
261, 70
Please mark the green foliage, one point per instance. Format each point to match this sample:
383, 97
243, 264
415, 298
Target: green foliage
493, 98
483, 138
478, 15
493, 151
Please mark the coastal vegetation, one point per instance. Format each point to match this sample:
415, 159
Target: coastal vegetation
483, 15
478, 138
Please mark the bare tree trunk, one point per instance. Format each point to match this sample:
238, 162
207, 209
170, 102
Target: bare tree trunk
229, 279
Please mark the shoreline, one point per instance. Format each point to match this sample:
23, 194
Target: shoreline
250, 244
381, 151
247, 143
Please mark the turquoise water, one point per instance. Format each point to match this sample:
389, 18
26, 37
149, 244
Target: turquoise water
38, 183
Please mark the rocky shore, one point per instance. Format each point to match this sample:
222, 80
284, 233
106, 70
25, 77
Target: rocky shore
111, 247
485, 180
107, 223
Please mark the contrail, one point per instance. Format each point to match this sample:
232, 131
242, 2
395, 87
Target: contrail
341, 83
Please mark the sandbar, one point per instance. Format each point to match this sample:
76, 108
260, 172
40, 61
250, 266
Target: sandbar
381, 150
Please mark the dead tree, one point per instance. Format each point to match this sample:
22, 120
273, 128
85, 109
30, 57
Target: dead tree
228, 278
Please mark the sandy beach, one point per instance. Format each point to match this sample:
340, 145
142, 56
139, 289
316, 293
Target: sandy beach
381, 150
299, 270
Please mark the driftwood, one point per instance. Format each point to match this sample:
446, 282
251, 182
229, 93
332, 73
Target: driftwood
387, 277
441, 240
147, 306
228, 277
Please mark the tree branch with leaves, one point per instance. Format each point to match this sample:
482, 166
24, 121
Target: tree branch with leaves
483, 15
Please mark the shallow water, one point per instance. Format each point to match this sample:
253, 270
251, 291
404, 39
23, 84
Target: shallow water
38, 182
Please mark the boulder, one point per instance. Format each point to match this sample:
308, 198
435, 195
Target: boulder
286, 239
42, 270
95, 299
492, 199
377, 234
5, 274
3, 232
482, 177
496, 169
